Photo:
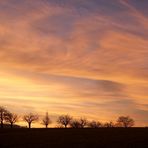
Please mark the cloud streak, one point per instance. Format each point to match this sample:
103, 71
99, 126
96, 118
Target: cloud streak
67, 53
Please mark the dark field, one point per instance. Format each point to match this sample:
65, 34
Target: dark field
74, 138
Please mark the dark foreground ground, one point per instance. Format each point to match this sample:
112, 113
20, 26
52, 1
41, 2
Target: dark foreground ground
74, 138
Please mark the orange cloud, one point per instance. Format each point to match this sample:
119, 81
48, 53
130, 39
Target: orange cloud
67, 56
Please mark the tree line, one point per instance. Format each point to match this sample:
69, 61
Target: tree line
64, 121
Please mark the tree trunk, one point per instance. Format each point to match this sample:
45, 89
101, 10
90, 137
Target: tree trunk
46, 126
125, 125
11, 125
1, 124
29, 125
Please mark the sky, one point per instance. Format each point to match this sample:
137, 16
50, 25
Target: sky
85, 58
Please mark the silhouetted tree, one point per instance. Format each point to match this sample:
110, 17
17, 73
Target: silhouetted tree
109, 124
79, 123
46, 120
94, 124
30, 118
11, 118
83, 122
125, 121
3, 114
64, 120
75, 124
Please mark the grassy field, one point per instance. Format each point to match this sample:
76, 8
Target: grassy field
74, 138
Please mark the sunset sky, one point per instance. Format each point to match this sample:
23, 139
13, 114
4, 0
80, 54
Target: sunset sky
87, 58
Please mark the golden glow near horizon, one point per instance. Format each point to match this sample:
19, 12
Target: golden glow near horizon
85, 58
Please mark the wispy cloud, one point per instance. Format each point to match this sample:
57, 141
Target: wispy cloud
61, 54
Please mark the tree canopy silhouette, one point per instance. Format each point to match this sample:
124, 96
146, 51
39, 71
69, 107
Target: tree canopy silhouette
46, 120
125, 121
75, 124
64, 120
30, 118
83, 122
3, 113
11, 118
78, 123
94, 124
109, 124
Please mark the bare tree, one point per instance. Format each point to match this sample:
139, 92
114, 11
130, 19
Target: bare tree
64, 120
109, 124
30, 118
83, 122
125, 121
75, 124
11, 118
94, 124
79, 123
46, 120
3, 114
